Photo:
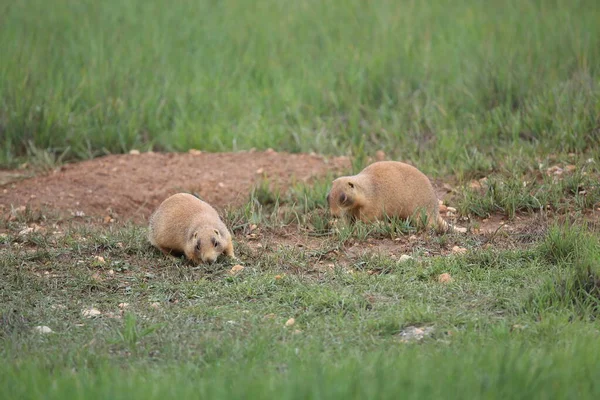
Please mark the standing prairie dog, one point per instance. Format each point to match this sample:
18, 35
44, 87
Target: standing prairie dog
385, 188
184, 224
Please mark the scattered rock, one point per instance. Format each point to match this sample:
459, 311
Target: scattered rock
459, 250
451, 209
554, 170
155, 305
460, 229
26, 231
278, 277
260, 171
123, 306
443, 208
290, 322
194, 152
405, 257
269, 316
91, 313
412, 333
134, 152
445, 278
42, 329
475, 185
100, 260
236, 269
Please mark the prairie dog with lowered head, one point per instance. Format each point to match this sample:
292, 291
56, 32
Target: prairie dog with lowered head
184, 224
385, 188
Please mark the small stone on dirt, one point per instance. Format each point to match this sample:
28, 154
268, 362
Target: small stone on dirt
459, 250
194, 152
134, 152
405, 257
236, 269
443, 208
460, 229
278, 277
42, 329
412, 333
451, 209
155, 305
123, 306
100, 259
260, 171
290, 322
91, 313
26, 231
475, 185
445, 278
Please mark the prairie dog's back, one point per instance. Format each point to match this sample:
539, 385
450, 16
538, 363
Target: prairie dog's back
398, 187
179, 210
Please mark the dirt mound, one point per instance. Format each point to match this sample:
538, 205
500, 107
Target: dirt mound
131, 186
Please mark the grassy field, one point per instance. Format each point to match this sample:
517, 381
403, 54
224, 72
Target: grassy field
500, 90
447, 82
517, 321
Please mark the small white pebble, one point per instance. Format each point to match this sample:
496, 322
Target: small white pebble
405, 257
91, 313
42, 329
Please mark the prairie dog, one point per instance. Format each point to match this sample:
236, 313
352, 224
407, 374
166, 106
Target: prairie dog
385, 188
184, 224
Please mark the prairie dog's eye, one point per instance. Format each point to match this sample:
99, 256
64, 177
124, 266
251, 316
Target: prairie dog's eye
195, 235
351, 184
217, 232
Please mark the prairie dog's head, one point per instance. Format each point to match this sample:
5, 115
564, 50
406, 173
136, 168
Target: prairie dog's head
208, 244
342, 196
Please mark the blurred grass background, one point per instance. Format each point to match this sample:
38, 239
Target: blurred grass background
450, 83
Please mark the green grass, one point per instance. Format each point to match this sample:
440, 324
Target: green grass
465, 90
510, 325
456, 85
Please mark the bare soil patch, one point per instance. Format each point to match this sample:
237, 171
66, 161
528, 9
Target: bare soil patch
131, 186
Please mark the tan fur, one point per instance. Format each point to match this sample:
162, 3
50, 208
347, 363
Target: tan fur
386, 188
182, 222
